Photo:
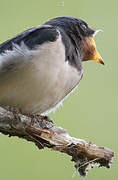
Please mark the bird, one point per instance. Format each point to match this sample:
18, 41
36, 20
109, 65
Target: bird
42, 65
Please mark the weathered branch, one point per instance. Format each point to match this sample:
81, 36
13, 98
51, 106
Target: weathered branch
44, 133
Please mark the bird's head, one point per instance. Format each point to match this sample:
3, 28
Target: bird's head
81, 36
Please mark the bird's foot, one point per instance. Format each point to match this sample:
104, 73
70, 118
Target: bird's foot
42, 121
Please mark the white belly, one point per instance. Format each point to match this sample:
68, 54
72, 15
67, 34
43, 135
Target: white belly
40, 84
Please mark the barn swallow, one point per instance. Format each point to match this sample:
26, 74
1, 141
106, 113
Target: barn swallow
42, 65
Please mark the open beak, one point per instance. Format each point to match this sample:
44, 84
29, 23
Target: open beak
97, 31
96, 56
89, 49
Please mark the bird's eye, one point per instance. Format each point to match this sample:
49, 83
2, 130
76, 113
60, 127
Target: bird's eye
83, 27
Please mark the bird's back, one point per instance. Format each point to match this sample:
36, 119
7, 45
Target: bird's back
34, 73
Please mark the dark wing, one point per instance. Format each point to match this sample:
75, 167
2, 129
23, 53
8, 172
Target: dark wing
31, 38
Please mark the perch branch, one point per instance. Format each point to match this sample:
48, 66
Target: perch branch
44, 133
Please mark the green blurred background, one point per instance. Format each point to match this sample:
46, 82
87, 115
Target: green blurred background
90, 113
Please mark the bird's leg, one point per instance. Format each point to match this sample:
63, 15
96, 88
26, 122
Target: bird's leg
46, 118
34, 118
37, 118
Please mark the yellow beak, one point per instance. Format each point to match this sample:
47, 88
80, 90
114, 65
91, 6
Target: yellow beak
96, 56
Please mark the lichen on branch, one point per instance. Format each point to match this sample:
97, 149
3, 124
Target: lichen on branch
42, 131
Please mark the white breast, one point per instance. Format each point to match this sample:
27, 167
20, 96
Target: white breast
44, 81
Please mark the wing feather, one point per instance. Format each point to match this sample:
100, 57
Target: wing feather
17, 50
31, 37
